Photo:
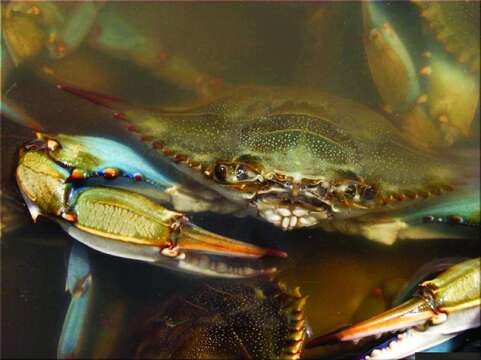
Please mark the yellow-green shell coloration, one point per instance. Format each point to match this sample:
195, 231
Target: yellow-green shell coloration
123, 215
111, 213
293, 132
439, 310
42, 181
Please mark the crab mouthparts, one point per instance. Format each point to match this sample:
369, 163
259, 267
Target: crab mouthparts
289, 215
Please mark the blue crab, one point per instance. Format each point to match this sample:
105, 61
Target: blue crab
302, 158
296, 158
212, 176
434, 88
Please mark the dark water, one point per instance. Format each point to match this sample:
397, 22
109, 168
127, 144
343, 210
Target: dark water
282, 44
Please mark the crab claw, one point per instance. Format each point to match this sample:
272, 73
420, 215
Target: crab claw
192, 250
417, 321
125, 223
129, 225
441, 309
196, 239
414, 312
201, 251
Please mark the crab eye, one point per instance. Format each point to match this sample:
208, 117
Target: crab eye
220, 172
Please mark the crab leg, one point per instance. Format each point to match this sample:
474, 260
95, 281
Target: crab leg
444, 307
454, 215
434, 97
79, 285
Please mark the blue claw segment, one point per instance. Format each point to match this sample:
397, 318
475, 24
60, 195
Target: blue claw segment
116, 159
79, 285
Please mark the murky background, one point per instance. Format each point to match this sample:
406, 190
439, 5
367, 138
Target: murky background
171, 53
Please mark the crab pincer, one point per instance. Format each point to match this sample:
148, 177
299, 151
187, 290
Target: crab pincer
441, 309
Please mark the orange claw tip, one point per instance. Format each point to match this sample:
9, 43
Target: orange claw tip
194, 238
96, 98
407, 315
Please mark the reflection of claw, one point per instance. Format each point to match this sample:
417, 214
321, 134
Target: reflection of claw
443, 308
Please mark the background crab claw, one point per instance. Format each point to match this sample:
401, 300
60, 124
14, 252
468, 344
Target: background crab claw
413, 312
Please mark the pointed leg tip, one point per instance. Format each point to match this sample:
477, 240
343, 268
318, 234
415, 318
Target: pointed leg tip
94, 97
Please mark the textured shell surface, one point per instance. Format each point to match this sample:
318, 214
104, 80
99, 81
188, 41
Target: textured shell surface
298, 132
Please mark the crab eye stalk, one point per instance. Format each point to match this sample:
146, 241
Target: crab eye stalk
319, 190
